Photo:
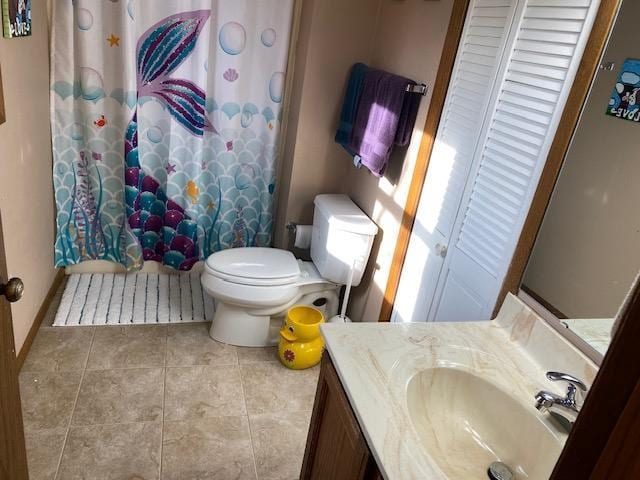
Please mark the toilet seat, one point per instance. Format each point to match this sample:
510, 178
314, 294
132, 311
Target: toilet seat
258, 277
254, 266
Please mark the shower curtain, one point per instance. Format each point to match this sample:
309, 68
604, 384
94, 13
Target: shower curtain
165, 120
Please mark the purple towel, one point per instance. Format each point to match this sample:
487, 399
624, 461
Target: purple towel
380, 113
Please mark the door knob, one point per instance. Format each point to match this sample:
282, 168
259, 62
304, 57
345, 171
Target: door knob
441, 250
12, 290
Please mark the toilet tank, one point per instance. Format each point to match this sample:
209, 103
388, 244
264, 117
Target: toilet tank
342, 238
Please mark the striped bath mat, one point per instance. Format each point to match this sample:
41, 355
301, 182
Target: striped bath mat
133, 298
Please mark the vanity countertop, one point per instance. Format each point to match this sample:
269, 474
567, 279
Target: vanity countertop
376, 360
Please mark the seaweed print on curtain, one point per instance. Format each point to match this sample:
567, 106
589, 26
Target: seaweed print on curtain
165, 118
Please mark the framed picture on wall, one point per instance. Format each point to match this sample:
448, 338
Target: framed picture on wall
16, 18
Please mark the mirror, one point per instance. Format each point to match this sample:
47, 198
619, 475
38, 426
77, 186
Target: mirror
586, 255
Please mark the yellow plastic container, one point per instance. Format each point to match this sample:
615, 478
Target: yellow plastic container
301, 344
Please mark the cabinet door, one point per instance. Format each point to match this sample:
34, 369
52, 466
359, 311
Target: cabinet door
336, 448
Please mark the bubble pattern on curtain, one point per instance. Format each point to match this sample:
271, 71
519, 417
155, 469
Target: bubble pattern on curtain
165, 127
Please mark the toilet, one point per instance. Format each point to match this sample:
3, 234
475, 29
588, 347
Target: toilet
253, 287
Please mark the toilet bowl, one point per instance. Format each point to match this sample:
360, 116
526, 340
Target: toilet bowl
253, 288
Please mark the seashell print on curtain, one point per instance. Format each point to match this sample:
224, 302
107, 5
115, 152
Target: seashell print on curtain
165, 127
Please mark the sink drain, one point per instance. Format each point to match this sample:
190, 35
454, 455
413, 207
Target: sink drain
499, 471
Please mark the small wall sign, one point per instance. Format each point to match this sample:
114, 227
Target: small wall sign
16, 18
625, 98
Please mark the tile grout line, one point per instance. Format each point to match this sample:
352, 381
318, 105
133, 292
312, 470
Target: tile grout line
135, 367
75, 402
164, 397
246, 408
90, 425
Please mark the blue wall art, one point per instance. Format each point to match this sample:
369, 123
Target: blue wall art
625, 98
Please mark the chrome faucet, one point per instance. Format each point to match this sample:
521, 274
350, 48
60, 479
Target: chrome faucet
567, 407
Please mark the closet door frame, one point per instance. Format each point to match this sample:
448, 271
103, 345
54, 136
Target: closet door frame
594, 48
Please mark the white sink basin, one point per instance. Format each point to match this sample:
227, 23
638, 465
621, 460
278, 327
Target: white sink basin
466, 422
442, 401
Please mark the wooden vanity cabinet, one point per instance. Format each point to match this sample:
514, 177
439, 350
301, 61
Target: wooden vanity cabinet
336, 448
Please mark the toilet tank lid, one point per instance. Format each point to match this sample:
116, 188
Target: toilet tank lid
255, 262
342, 213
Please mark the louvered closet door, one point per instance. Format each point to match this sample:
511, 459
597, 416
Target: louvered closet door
475, 72
547, 42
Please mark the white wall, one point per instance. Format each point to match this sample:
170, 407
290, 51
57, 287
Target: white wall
409, 40
402, 37
26, 192
334, 35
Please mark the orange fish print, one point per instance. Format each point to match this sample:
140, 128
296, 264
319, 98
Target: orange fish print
101, 122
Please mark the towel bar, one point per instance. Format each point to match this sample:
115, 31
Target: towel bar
420, 88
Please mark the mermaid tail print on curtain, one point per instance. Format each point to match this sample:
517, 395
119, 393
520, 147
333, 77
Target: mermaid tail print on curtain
166, 233
165, 127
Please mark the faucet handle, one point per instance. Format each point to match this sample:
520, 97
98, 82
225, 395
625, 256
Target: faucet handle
570, 379
576, 390
567, 407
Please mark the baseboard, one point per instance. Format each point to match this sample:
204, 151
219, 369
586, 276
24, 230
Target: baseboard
39, 318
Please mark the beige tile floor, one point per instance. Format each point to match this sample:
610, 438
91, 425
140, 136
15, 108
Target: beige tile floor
150, 402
